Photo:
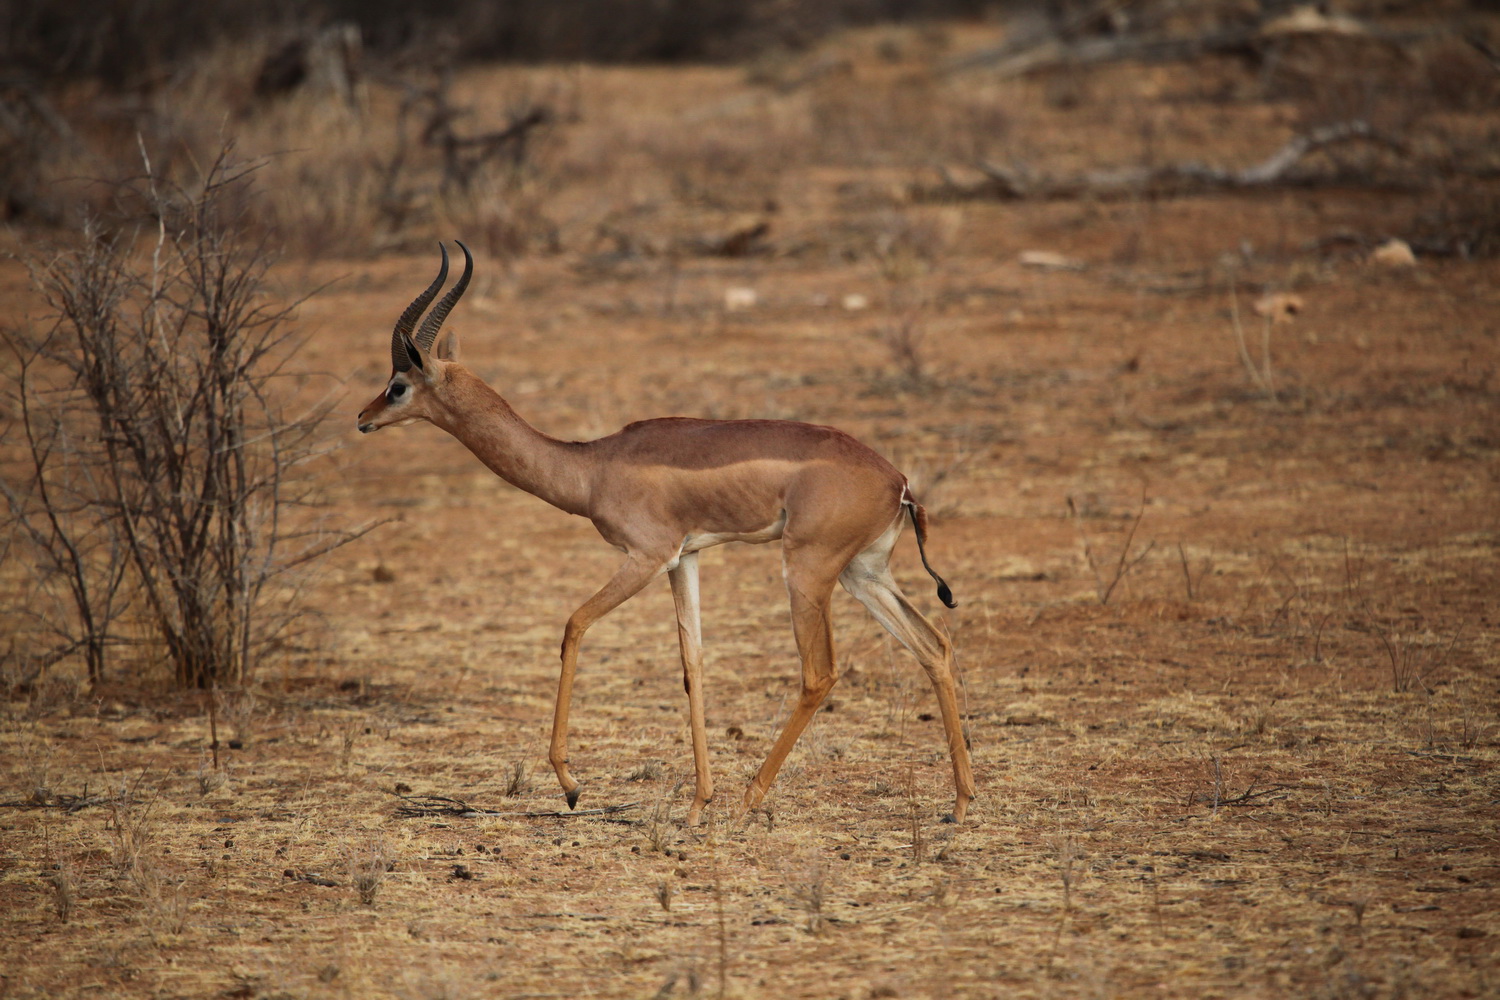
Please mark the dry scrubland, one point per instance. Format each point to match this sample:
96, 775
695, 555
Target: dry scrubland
1227, 623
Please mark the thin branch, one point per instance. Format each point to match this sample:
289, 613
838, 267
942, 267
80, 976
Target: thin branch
441, 805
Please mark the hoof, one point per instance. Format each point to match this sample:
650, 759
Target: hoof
573, 797
949, 818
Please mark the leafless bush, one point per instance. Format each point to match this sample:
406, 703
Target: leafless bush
156, 484
809, 890
1108, 578
1413, 663
62, 880
132, 832
210, 778
650, 770
664, 893
488, 178
1067, 864
166, 903
368, 865
519, 782
904, 337
658, 825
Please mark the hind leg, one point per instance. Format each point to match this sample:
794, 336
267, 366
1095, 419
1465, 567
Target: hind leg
809, 582
868, 578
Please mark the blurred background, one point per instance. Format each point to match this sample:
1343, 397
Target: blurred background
376, 125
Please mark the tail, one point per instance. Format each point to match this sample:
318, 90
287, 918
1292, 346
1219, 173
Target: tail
919, 524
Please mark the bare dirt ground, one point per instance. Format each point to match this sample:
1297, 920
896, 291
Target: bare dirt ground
1227, 625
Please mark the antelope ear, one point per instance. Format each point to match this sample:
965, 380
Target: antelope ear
448, 347
416, 354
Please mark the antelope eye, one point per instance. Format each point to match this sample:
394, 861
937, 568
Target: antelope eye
396, 391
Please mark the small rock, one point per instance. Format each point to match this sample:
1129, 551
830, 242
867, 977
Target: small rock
1049, 261
1394, 254
739, 299
1278, 306
854, 302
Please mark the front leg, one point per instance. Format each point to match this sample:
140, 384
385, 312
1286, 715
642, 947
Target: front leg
628, 581
684, 579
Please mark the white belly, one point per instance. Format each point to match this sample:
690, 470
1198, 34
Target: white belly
708, 539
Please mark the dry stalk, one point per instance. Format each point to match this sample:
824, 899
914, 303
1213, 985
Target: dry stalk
132, 830
1261, 375
651, 770
348, 735
914, 816
900, 696
239, 707
165, 904
210, 778
1191, 586
721, 930
519, 782
904, 337
1104, 588
62, 881
1410, 664
658, 824
213, 728
1067, 856
368, 865
810, 892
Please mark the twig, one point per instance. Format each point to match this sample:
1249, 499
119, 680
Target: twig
440, 805
1124, 564
1260, 375
67, 803
1247, 797
1440, 755
310, 878
1189, 583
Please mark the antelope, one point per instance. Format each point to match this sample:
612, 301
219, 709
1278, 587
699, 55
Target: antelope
663, 490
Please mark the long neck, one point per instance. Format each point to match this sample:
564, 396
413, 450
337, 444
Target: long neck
556, 471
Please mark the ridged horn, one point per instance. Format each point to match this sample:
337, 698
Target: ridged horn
399, 359
434, 321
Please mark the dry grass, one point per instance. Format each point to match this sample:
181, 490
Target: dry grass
1259, 763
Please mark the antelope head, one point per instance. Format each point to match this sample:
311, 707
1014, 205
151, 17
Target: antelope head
417, 373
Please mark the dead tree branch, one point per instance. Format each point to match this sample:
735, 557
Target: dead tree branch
1039, 54
1007, 183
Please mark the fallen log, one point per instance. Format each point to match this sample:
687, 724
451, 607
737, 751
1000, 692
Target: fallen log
1007, 183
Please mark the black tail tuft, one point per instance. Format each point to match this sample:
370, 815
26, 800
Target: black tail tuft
919, 525
944, 594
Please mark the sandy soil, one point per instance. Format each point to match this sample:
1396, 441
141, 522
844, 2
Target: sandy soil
1228, 643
